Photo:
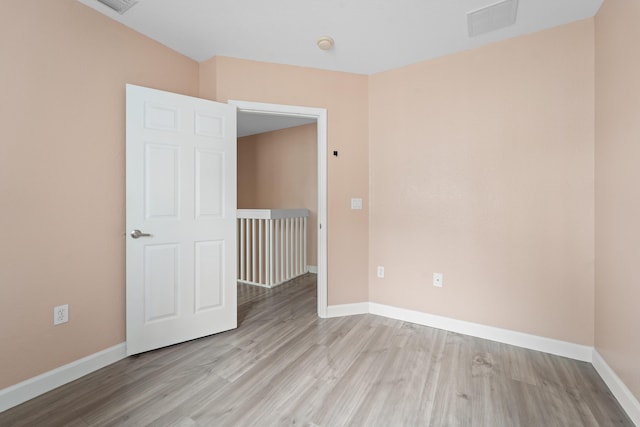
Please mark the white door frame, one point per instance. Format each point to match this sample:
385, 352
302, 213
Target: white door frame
320, 114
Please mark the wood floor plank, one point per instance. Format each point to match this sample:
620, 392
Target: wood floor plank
352, 386
284, 366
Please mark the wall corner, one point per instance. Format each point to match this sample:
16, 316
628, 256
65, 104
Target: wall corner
208, 80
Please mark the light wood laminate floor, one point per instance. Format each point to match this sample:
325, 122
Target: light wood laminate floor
285, 367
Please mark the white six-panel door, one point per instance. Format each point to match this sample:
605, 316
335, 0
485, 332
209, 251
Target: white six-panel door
181, 196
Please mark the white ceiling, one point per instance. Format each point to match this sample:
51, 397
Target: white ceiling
254, 123
370, 35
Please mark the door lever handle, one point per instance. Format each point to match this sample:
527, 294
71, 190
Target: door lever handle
137, 233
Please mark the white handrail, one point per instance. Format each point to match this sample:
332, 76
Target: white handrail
272, 245
272, 213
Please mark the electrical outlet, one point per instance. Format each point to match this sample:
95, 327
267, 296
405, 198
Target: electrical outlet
380, 271
437, 279
61, 314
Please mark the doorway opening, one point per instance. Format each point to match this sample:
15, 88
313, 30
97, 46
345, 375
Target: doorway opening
262, 112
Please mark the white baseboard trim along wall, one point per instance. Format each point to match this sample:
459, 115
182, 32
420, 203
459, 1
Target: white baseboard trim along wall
626, 399
312, 269
519, 339
348, 309
533, 342
33, 387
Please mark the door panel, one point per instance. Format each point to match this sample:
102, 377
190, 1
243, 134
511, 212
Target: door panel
209, 274
162, 181
181, 192
210, 183
161, 282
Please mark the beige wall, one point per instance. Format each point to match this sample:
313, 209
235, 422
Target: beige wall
62, 78
278, 170
247, 172
207, 73
345, 97
617, 334
482, 169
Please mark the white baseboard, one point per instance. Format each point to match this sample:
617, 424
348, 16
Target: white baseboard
312, 269
347, 309
26, 390
626, 399
519, 339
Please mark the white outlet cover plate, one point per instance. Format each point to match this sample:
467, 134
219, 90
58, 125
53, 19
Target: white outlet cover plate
380, 272
61, 314
356, 204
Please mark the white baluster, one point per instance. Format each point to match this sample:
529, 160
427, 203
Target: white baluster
260, 257
294, 247
304, 245
269, 260
253, 250
281, 228
298, 249
242, 260
279, 252
289, 248
248, 238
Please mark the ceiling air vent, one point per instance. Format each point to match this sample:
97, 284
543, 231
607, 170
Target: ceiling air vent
120, 6
492, 17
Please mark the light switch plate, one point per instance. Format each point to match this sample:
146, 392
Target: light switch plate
356, 204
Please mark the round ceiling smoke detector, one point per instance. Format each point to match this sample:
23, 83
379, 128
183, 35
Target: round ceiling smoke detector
325, 42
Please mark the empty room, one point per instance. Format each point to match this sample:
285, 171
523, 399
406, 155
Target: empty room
342, 213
